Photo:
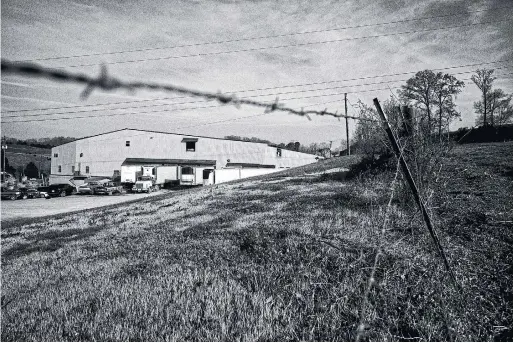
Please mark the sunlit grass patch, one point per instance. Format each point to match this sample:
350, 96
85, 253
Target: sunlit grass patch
257, 261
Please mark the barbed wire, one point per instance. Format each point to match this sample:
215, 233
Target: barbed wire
277, 87
502, 76
108, 83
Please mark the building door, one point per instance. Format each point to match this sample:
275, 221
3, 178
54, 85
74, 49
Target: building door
188, 176
208, 177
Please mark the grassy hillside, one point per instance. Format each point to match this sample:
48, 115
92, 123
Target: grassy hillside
273, 258
21, 155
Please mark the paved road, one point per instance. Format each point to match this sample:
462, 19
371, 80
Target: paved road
33, 208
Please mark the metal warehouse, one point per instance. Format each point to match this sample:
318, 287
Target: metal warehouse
127, 153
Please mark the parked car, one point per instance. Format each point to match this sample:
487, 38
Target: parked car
89, 188
108, 188
43, 192
60, 190
32, 193
12, 194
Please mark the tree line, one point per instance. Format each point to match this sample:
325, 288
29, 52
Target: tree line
432, 95
30, 170
323, 148
45, 143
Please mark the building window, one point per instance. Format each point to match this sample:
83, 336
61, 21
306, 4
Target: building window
81, 154
127, 143
187, 171
278, 152
59, 169
56, 155
87, 169
72, 169
190, 146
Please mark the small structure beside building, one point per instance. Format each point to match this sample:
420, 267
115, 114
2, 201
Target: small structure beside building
188, 160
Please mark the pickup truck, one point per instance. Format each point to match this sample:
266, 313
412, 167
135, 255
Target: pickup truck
89, 188
60, 190
33, 193
12, 194
108, 188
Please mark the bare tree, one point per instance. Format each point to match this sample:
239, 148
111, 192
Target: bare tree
498, 108
505, 113
421, 90
484, 80
446, 88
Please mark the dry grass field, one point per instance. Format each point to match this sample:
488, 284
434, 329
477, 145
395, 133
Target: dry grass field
275, 258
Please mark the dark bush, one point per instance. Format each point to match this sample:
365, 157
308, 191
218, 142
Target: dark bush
483, 134
371, 165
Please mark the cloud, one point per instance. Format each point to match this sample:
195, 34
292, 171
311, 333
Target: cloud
63, 28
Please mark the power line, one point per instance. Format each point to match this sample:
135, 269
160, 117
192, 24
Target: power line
105, 82
287, 45
214, 122
268, 88
203, 101
166, 110
262, 37
193, 102
206, 107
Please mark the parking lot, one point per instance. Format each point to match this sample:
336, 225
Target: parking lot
33, 208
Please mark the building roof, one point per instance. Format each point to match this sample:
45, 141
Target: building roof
250, 165
162, 132
178, 134
165, 161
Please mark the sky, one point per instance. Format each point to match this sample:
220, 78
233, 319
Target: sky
183, 42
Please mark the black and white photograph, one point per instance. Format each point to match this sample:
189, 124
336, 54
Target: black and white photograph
256, 170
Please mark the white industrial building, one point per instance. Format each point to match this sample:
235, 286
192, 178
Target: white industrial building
108, 153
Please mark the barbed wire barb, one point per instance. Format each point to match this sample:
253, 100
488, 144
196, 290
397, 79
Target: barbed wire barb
103, 82
108, 83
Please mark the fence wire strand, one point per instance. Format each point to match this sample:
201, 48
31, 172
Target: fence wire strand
108, 83
370, 283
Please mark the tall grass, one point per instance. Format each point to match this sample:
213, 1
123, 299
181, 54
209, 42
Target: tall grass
286, 260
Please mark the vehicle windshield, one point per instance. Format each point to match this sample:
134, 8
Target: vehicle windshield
57, 186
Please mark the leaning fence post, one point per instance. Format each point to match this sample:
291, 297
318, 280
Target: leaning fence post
413, 187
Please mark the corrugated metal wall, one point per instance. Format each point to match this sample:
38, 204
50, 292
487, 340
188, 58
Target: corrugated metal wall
105, 153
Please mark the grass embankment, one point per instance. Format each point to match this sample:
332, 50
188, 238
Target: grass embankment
20, 155
271, 259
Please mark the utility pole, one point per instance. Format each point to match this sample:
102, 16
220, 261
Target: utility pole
4, 148
347, 126
331, 142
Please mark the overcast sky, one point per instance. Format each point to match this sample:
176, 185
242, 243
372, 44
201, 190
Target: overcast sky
46, 29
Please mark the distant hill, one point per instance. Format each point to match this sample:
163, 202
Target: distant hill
46, 143
21, 152
18, 156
